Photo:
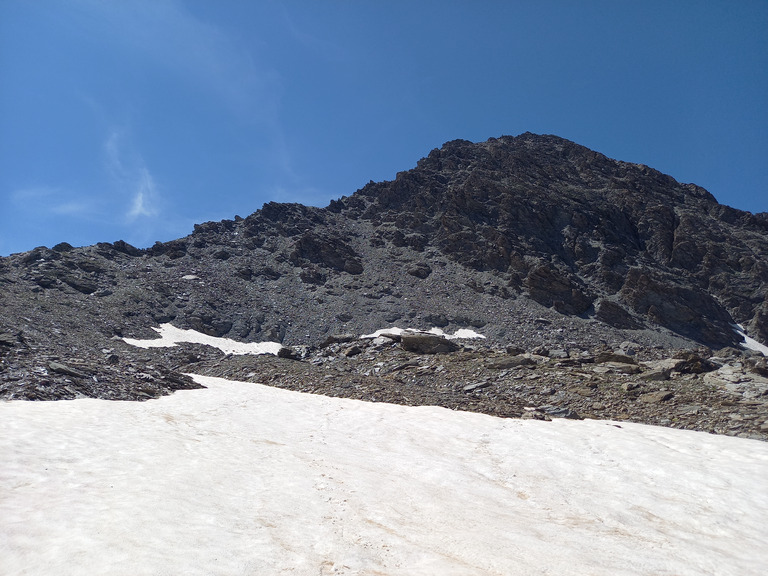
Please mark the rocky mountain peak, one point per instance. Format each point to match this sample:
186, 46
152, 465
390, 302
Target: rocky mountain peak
578, 231
533, 240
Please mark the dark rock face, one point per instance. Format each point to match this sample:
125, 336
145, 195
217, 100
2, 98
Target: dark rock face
549, 287
427, 344
533, 240
614, 315
328, 250
573, 225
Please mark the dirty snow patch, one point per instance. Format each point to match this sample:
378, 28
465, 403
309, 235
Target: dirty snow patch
750, 343
240, 478
171, 336
461, 334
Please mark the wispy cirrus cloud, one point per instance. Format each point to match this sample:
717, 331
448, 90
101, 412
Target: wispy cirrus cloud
52, 200
166, 34
144, 197
212, 61
135, 192
33, 195
135, 185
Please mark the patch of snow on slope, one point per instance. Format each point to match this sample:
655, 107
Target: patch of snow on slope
462, 333
394, 331
171, 336
750, 343
240, 478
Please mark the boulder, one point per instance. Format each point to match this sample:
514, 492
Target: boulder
330, 250
420, 270
614, 357
550, 287
615, 315
428, 344
288, 353
66, 370
510, 362
7, 339
338, 339
655, 397
655, 375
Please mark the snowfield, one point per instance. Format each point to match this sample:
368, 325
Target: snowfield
460, 334
244, 479
750, 343
172, 336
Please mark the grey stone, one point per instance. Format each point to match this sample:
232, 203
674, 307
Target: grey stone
338, 339
64, 369
535, 415
428, 344
476, 386
288, 353
622, 368
7, 339
420, 270
655, 397
560, 412
615, 358
655, 375
510, 362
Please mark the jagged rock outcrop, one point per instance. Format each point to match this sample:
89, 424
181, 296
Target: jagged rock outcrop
570, 224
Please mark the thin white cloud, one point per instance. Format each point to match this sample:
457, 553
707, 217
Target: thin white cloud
144, 198
35, 194
50, 200
112, 153
73, 208
324, 46
131, 177
168, 38
165, 34
209, 58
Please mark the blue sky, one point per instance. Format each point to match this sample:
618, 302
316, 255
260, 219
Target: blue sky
135, 120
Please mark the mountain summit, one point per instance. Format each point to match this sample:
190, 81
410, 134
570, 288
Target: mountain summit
577, 231
530, 240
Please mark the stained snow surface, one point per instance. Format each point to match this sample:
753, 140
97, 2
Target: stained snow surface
172, 336
243, 479
460, 334
750, 343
